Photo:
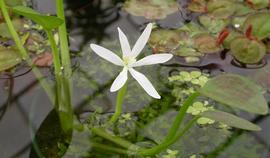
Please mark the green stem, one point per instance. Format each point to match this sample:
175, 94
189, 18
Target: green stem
157, 149
119, 104
23, 51
180, 116
63, 104
117, 140
65, 54
109, 148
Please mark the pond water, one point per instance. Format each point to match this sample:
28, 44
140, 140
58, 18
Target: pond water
24, 105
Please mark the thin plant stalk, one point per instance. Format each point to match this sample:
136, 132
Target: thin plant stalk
63, 106
119, 104
157, 149
23, 51
117, 140
180, 116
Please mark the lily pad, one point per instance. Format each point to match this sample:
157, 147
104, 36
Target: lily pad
206, 44
236, 91
199, 6
213, 25
248, 51
9, 57
241, 9
232, 35
48, 22
230, 120
221, 8
12, 3
4, 32
260, 23
258, 4
163, 41
151, 9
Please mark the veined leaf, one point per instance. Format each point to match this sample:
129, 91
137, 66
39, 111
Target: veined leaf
48, 22
260, 23
236, 91
230, 120
8, 58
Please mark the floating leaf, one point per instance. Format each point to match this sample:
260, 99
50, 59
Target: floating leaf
232, 35
8, 58
151, 9
48, 22
230, 120
221, 8
164, 40
213, 25
260, 23
14, 2
236, 91
4, 32
241, 9
199, 6
205, 43
248, 51
258, 4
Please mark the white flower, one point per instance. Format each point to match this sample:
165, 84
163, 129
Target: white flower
129, 61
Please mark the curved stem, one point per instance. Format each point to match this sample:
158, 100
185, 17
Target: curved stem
117, 140
23, 51
180, 116
119, 104
157, 149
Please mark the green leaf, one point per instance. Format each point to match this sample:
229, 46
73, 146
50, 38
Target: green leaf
206, 44
8, 58
230, 120
248, 51
236, 91
260, 23
261, 77
48, 22
221, 8
14, 2
151, 9
4, 32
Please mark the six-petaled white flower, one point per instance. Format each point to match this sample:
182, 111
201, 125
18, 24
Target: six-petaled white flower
129, 61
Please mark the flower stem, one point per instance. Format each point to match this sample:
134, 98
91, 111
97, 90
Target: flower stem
157, 149
23, 51
180, 116
119, 104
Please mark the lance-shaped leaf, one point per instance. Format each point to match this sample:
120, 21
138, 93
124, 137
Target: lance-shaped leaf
8, 58
48, 22
260, 23
248, 51
14, 2
230, 120
262, 77
236, 91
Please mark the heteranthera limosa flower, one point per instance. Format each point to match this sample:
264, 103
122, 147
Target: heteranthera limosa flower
129, 61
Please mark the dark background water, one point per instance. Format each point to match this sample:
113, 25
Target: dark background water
95, 21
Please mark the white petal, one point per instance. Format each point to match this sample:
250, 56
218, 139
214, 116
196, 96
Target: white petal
145, 83
153, 59
120, 80
141, 42
107, 54
124, 43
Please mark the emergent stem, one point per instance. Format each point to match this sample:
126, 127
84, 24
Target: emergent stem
119, 104
157, 149
180, 116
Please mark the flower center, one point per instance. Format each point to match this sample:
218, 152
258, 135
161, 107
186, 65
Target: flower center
129, 60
